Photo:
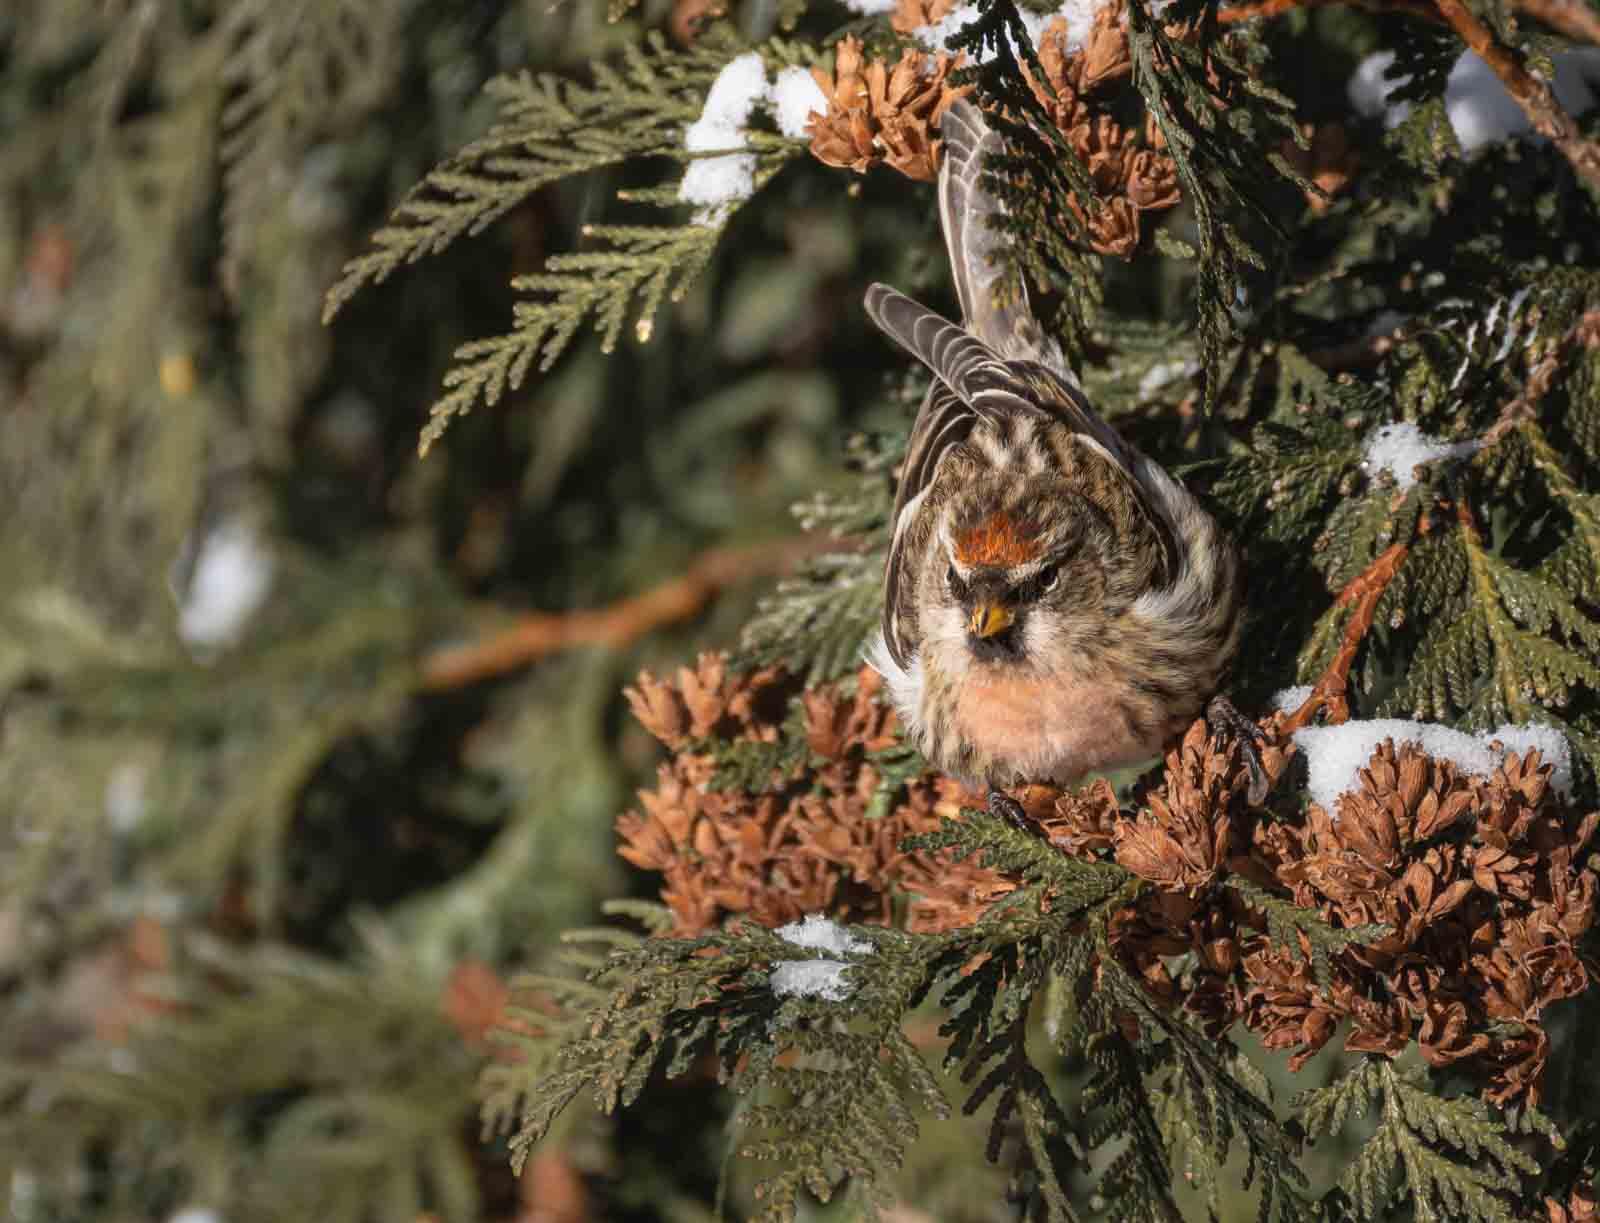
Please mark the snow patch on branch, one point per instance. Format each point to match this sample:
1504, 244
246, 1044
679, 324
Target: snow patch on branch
1480, 109
719, 183
1290, 699
230, 579
817, 933
1335, 755
811, 979
1164, 372
715, 183
1078, 15
795, 94
1401, 448
820, 978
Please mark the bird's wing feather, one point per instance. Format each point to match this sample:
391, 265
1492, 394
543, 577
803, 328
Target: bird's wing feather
990, 386
942, 421
971, 384
958, 358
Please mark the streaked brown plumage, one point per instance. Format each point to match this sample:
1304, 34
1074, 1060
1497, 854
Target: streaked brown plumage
1054, 601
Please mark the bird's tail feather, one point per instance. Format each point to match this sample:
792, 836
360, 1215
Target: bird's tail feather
994, 300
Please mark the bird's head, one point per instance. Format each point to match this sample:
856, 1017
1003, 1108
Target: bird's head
1017, 573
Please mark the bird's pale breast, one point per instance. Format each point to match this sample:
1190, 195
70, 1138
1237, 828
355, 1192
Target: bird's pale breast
1048, 729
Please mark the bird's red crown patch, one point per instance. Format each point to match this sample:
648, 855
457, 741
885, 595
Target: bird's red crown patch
999, 540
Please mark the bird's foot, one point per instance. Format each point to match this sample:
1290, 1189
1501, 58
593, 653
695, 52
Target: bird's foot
1222, 713
1003, 806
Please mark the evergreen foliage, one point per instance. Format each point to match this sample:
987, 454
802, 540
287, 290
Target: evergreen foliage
1449, 1159
260, 885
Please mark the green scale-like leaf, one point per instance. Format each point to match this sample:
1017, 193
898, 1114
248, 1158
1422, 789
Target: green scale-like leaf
549, 129
1486, 652
1447, 1157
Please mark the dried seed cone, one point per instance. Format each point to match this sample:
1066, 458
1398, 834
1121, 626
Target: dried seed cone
1129, 168
1481, 884
878, 113
804, 843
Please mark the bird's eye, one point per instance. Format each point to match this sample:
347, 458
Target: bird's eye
953, 578
1048, 579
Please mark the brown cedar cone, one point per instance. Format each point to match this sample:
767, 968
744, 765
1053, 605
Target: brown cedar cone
876, 113
1482, 882
1579, 1208
1113, 227
1283, 1005
1081, 823
1129, 169
1103, 59
1477, 882
1152, 180
804, 843
1181, 842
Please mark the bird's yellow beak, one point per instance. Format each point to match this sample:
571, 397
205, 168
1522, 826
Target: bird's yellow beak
989, 619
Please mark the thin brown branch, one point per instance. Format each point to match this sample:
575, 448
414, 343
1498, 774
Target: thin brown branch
1573, 18
537, 635
1364, 591
1547, 116
1525, 406
1356, 354
1422, 9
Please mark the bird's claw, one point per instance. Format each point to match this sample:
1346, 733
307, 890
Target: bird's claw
1222, 713
1003, 806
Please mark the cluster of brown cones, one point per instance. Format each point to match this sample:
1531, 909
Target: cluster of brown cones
879, 112
806, 844
1481, 883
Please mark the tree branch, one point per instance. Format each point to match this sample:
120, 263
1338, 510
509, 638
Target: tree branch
1573, 18
1421, 9
1525, 406
1548, 117
538, 634
1364, 591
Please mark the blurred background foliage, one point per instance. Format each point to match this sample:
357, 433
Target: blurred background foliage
231, 798
265, 859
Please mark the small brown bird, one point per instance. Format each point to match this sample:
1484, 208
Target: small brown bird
1054, 601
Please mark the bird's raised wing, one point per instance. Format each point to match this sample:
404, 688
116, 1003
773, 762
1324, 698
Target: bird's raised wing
942, 421
988, 384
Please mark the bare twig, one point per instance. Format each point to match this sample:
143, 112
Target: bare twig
1573, 18
1358, 353
1364, 591
539, 634
1525, 406
1548, 117
1422, 9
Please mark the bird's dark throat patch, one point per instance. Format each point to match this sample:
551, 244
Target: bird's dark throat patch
999, 647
